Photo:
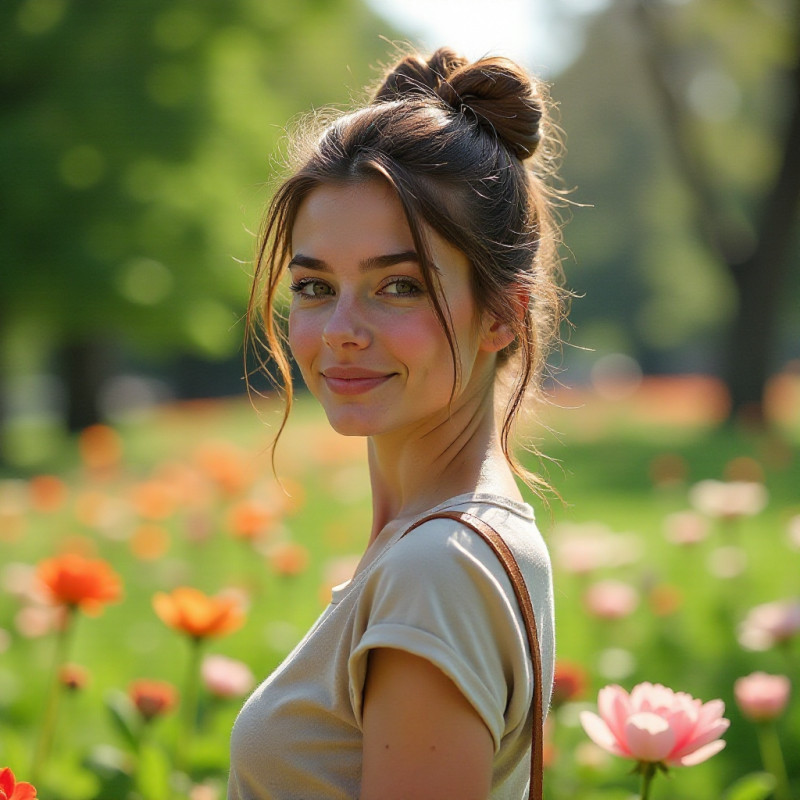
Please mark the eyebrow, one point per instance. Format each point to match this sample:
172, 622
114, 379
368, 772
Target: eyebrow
373, 262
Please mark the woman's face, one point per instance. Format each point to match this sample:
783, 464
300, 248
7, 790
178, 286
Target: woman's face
362, 328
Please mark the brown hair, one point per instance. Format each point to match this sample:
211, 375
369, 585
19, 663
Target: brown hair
450, 137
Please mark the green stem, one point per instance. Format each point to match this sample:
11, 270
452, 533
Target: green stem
189, 705
793, 663
772, 758
648, 771
730, 528
50, 717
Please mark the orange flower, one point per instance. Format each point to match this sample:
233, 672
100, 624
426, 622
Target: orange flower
152, 698
154, 500
289, 558
665, 599
149, 542
48, 493
250, 519
193, 612
74, 580
100, 448
73, 676
225, 465
11, 790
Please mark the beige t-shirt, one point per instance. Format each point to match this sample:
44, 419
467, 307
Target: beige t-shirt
439, 593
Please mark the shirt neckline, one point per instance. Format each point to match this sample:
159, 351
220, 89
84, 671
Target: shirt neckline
521, 509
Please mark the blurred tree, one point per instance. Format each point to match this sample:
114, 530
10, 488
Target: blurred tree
748, 218
685, 263
134, 140
645, 289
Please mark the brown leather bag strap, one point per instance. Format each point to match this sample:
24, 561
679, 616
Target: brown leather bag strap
506, 557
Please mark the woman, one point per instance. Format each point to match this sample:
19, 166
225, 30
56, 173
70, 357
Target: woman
421, 253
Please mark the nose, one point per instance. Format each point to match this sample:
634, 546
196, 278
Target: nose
346, 327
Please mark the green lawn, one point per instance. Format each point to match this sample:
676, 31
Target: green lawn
206, 459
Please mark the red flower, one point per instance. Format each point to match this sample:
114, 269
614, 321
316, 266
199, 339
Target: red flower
11, 790
152, 698
569, 683
73, 676
193, 612
74, 580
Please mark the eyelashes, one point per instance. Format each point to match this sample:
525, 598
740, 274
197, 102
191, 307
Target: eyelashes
315, 288
300, 287
413, 287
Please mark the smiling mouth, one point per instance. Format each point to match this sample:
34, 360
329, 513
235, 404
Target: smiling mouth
359, 384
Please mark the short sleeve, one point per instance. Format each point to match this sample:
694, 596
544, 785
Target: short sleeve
440, 593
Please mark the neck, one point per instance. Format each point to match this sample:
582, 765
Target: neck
459, 453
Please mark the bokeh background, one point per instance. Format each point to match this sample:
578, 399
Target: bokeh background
139, 143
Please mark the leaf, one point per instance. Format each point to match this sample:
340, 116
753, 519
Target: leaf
755, 786
124, 717
153, 772
108, 761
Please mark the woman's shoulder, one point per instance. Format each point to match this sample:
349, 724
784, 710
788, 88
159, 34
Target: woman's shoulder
513, 520
442, 541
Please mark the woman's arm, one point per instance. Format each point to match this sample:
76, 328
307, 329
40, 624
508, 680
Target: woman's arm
422, 738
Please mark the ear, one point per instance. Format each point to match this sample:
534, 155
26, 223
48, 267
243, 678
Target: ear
495, 335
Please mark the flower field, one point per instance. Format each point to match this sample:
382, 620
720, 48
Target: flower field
154, 571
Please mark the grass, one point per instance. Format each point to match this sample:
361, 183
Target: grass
614, 465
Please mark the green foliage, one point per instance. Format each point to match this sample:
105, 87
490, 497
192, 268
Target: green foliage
135, 144
756, 786
123, 718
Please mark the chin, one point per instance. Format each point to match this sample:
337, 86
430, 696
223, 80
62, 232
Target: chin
351, 425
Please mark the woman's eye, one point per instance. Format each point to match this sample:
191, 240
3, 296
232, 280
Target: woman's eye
310, 287
402, 287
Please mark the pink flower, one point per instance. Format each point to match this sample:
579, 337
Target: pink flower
762, 697
656, 725
686, 527
611, 599
204, 791
581, 548
770, 624
728, 499
226, 677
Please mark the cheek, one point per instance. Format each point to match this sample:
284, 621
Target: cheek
304, 338
421, 343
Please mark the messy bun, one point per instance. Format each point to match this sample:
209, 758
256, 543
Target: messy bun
414, 75
468, 149
495, 91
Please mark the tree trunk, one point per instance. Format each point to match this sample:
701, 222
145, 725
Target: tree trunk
85, 367
760, 279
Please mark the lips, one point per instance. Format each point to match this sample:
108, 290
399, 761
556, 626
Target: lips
353, 380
